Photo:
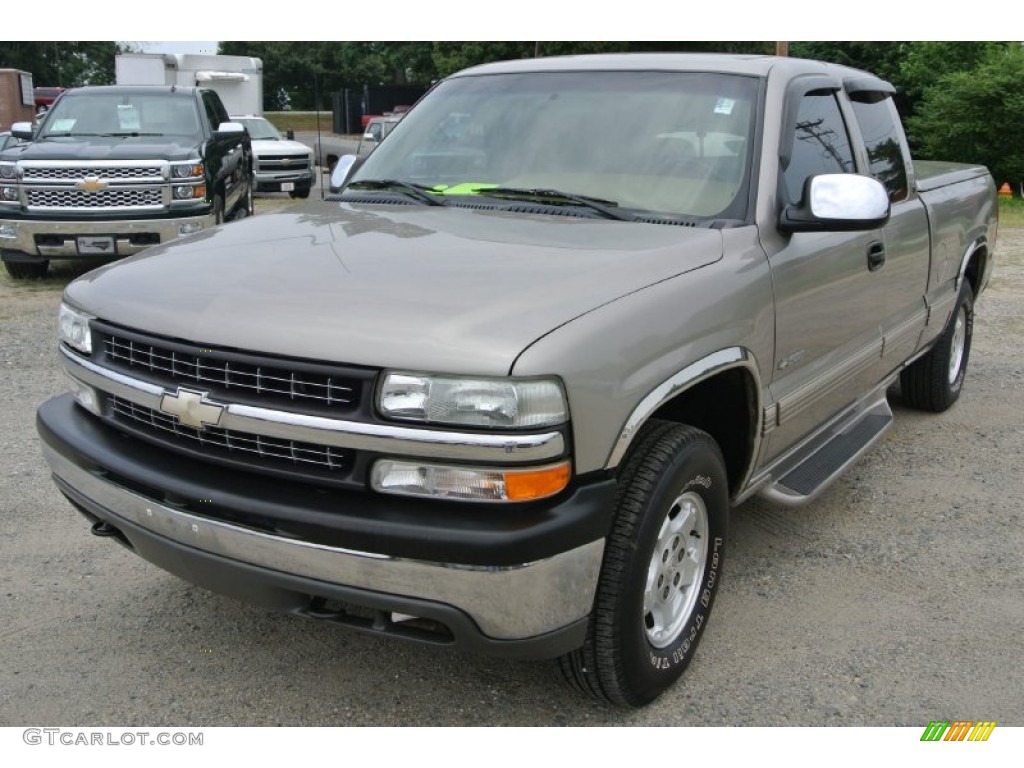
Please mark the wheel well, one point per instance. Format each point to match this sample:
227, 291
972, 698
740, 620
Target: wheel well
976, 268
724, 406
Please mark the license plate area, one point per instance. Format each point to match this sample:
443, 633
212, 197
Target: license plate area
96, 245
287, 186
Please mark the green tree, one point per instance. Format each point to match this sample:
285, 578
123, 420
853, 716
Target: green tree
68, 64
977, 116
294, 73
927, 62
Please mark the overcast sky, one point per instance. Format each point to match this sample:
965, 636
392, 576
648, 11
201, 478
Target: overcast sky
176, 46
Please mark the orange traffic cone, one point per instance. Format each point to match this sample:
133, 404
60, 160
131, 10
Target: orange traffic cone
1005, 191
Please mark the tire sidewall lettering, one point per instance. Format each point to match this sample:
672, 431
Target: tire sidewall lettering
667, 660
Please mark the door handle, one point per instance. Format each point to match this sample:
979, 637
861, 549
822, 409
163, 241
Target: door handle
876, 256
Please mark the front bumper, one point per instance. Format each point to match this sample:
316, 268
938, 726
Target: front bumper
60, 238
156, 503
271, 181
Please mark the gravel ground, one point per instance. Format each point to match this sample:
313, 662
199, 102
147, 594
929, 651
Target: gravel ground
895, 599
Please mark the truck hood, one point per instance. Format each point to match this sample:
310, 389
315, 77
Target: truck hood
263, 147
421, 288
112, 148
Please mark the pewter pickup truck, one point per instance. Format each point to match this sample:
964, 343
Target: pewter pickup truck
504, 391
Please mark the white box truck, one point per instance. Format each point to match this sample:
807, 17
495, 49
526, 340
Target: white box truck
238, 80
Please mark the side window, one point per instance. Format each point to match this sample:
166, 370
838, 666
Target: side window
821, 143
877, 118
215, 111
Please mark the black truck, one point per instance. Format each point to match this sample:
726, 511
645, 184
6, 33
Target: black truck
112, 170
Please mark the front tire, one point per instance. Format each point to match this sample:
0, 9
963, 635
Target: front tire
27, 270
661, 569
22, 266
302, 193
933, 382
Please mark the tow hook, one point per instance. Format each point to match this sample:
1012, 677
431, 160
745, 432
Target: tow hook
103, 528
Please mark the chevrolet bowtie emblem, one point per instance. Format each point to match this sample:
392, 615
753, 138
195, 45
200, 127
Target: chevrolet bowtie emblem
91, 184
286, 161
191, 408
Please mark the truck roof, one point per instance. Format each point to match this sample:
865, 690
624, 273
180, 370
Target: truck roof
756, 65
134, 89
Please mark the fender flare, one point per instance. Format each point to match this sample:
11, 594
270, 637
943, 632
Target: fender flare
675, 385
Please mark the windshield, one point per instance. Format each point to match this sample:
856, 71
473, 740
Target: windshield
259, 128
664, 142
92, 114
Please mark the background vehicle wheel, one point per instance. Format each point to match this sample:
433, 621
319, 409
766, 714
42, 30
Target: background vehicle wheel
661, 570
248, 205
300, 193
27, 270
933, 382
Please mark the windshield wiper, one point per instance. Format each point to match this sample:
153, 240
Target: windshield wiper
126, 134
557, 197
418, 191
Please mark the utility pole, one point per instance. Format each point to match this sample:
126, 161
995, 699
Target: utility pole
781, 48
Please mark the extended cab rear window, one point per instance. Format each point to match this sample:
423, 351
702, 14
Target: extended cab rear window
879, 125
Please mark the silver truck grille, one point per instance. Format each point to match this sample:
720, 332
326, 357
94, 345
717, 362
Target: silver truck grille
107, 198
103, 173
214, 441
283, 163
235, 376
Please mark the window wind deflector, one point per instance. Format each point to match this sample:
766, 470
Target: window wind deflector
418, 191
556, 197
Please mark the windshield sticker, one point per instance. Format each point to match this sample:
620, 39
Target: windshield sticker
465, 188
724, 106
128, 117
65, 124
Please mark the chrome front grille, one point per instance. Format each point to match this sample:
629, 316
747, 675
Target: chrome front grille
107, 198
283, 162
242, 447
235, 376
103, 173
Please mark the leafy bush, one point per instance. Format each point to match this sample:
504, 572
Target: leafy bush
977, 117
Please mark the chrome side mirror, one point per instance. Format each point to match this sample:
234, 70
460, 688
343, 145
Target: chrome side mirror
838, 202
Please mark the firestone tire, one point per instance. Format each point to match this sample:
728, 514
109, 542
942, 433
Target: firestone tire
661, 570
933, 382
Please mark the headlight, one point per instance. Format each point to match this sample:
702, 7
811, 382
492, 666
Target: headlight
8, 194
508, 403
73, 329
406, 478
7, 170
187, 171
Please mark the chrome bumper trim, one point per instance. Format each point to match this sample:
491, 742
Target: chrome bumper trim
480, 448
507, 603
27, 229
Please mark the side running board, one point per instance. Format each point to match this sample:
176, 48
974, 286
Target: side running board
805, 477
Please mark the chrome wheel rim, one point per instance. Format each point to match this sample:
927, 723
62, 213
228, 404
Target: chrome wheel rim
956, 357
675, 569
